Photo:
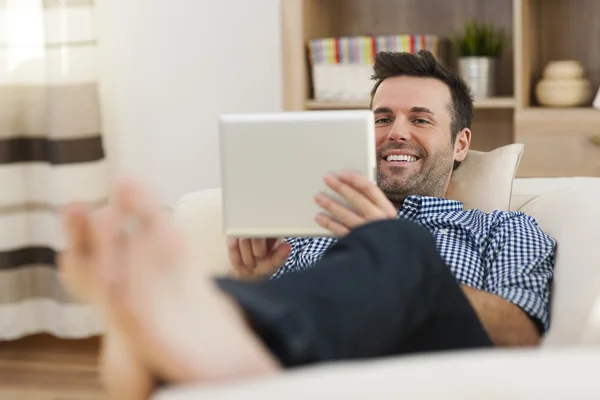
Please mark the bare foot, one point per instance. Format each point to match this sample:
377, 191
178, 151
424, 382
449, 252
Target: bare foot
175, 319
123, 373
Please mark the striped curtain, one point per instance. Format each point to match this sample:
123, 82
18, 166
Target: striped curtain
51, 152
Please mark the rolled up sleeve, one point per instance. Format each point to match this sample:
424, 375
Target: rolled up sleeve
521, 265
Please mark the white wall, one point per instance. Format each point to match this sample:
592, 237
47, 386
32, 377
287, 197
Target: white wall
168, 68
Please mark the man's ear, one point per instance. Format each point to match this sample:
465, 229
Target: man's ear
462, 144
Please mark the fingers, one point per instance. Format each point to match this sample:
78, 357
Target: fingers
366, 201
370, 190
253, 257
271, 243
341, 213
280, 255
359, 201
259, 248
240, 255
247, 252
331, 225
245, 246
235, 256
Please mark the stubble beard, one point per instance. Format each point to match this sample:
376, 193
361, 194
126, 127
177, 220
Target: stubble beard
430, 180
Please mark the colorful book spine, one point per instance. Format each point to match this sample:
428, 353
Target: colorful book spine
361, 50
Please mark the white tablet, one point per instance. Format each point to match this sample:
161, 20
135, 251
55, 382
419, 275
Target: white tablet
272, 166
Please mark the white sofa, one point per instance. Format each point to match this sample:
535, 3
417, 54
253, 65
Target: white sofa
566, 366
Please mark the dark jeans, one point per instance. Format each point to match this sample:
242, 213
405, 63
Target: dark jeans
382, 290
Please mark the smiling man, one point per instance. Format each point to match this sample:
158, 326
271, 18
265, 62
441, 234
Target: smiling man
417, 140
409, 272
502, 261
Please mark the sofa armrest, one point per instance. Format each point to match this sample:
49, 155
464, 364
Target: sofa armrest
199, 215
571, 215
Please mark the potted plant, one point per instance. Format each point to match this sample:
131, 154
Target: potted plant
478, 48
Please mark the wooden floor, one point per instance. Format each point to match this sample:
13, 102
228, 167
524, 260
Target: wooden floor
45, 368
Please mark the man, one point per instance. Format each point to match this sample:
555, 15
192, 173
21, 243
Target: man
412, 272
423, 112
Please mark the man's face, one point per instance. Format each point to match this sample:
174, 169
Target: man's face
415, 153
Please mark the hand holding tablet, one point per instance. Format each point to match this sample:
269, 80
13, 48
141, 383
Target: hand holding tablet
365, 203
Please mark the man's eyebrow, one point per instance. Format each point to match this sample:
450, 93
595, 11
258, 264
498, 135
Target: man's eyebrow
382, 110
422, 110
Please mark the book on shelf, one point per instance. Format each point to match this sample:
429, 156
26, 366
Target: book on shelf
342, 66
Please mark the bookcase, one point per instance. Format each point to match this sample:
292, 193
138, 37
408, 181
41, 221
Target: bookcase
559, 141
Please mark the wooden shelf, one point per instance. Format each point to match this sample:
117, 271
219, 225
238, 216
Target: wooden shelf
563, 111
551, 119
557, 30
559, 141
335, 105
496, 102
491, 103
540, 31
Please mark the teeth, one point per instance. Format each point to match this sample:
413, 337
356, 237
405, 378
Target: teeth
401, 158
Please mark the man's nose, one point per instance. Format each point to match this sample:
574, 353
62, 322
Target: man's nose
399, 132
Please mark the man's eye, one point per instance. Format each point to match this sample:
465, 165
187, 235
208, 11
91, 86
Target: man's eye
383, 121
421, 121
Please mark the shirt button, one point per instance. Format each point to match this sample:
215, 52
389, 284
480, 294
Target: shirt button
443, 231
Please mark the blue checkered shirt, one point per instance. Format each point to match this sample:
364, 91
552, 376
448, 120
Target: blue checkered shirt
503, 253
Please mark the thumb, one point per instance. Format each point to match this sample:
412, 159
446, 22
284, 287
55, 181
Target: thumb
280, 254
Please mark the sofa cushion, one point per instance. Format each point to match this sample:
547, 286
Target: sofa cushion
526, 189
523, 374
484, 180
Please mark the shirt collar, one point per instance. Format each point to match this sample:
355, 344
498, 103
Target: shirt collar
418, 207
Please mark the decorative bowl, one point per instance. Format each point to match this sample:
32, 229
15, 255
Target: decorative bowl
563, 92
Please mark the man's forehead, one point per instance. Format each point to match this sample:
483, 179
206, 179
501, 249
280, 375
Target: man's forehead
408, 92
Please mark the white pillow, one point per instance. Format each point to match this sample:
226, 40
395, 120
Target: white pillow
484, 179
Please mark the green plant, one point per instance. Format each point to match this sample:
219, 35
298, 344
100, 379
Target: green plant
479, 40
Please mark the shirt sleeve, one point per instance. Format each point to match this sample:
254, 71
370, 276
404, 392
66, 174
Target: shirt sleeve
305, 252
521, 265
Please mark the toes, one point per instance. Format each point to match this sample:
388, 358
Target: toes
147, 223
108, 246
73, 262
136, 201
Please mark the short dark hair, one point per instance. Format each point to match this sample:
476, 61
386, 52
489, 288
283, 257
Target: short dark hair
424, 65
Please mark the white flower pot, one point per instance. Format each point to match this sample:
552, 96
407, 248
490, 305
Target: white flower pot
479, 73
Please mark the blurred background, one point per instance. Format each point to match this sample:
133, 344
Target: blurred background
168, 68
164, 71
